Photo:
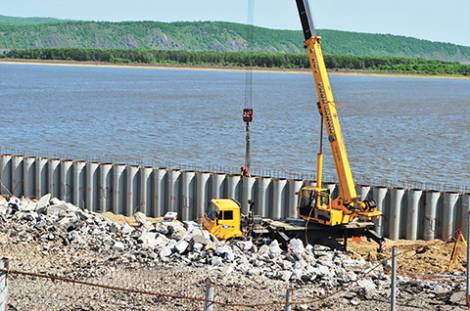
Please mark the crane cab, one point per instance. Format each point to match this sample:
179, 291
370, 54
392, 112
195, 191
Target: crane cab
314, 205
223, 219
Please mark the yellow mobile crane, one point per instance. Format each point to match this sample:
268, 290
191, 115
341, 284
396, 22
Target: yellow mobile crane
323, 220
315, 203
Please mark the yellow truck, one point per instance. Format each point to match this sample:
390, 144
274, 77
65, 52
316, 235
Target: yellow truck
226, 222
223, 219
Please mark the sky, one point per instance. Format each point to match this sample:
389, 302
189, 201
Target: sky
436, 20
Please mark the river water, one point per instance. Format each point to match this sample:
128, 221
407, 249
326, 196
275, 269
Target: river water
399, 131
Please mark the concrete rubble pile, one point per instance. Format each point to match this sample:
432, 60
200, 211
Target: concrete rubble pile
50, 221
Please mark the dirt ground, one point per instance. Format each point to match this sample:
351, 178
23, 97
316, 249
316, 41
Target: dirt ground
422, 259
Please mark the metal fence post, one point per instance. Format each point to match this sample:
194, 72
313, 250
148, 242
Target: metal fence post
468, 266
288, 306
394, 279
209, 300
3, 284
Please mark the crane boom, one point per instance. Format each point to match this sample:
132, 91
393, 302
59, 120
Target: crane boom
327, 104
315, 203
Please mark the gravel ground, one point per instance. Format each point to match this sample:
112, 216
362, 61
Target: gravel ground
132, 277
27, 293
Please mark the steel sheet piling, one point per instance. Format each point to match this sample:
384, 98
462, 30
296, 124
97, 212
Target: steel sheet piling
397, 195
449, 215
173, 190
92, 180
294, 187
202, 193
279, 186
126, 189
40, 176
53, 177
119, 185
5, 174
145, 190
262, 194
17, 175
66, 180
28, 174
414, 198
159, 178
247, 193
364, 192
217, 185
132, 185
79, 183
187, 192
430, 214
233, 187
464, 213
380, 194
106, 187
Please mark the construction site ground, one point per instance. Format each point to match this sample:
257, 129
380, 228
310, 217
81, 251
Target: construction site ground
423, 259
129, 284
418, 258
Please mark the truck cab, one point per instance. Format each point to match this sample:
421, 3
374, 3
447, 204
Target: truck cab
223, 219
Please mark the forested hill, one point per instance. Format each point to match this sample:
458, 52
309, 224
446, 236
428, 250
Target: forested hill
29, 20
211, 36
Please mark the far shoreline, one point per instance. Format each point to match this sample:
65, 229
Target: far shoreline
71, 63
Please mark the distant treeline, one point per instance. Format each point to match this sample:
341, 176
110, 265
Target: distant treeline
243, 59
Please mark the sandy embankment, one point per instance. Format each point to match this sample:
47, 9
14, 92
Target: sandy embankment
220, 68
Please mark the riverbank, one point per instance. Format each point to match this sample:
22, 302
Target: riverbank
72, 63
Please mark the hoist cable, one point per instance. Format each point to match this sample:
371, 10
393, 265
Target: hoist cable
249, 49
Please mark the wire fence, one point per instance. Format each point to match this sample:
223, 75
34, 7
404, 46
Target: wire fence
26, 284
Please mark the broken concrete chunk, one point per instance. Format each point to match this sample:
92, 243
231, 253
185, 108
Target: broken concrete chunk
178, 231
46, 201
170, 216
263, 250
126, 229
181, 246
191, 225
165, 252
274, 249
197, 247
245, 246
142, 220
61, 210
225, 252
197, 236
216, 261
296, 246
148, 240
